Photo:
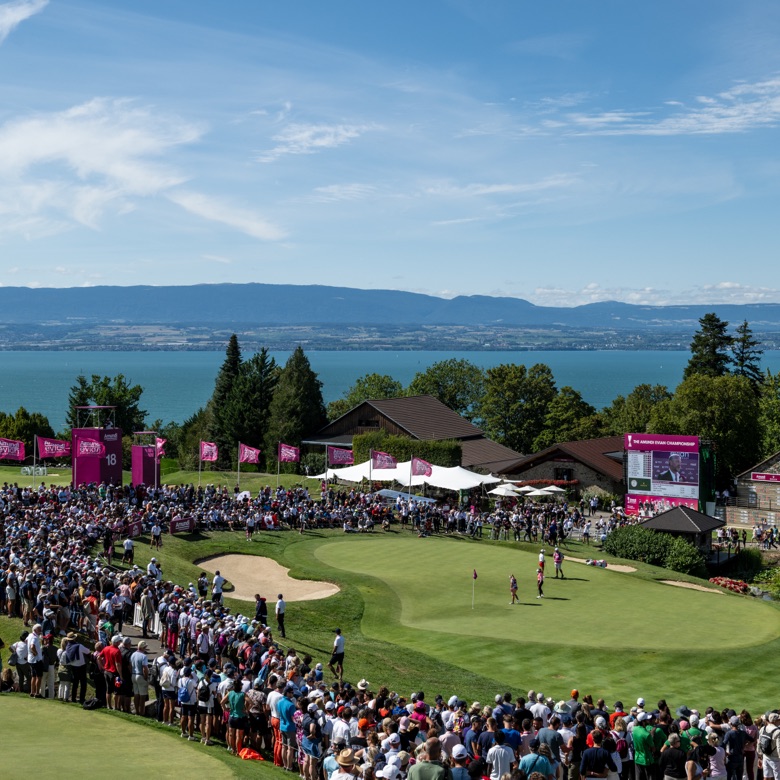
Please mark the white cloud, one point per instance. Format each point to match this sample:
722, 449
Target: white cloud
742, 108
479, 189
13, 14
76, 163
593, 292
218, 211
218, 259
336, 192
311, 138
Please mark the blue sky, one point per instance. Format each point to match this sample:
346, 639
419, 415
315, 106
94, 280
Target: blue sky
562, 152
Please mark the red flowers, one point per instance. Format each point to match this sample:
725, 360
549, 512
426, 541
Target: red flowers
737, 586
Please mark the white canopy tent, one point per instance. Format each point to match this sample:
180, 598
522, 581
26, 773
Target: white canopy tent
503, 490
455, 478
539, 494
554, 489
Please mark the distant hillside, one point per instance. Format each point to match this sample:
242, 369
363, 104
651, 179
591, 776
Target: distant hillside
283, 304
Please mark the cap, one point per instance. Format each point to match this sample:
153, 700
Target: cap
459, 752
734, 720
640, 702
313, 707
452, 701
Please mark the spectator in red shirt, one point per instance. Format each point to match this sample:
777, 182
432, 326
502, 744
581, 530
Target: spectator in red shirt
111, 657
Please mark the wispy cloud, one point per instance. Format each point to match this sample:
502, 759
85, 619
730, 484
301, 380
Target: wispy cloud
310, 139
218, 259
739, 109
716, 293
13, 14
478, 190
337, 192
217, 211
564, 46
74, 164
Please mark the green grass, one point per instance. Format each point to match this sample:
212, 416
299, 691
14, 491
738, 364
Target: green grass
405, 608
55, 740
250, 480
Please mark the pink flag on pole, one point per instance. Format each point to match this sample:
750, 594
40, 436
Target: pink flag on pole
90, 448
53, 448
421, 468
340, 457
247, 454
10, 449
208, 451
159, 447
381, 460
288, 453
474, 576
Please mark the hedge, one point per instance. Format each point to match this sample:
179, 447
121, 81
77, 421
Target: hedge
658, 549
441, 453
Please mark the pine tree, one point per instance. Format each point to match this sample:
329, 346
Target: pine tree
710, 348
746, 355
218, 406
297, 408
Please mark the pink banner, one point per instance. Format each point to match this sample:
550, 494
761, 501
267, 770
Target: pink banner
757, 476
159, 447
53, 448
11, 449
381, 460
421, 468
648, 442
182, 525
90, 448
208, 451
136, 528
288, 453
340, 457
634, 503
248, 454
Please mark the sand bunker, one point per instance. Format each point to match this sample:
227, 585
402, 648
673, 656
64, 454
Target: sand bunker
690, 586
250, 574
610, 566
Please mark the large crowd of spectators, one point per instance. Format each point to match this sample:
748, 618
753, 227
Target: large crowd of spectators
221, 676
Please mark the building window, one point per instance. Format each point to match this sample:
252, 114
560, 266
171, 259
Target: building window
563, 474
368, 423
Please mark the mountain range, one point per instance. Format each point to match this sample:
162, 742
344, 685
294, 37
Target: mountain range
221, 305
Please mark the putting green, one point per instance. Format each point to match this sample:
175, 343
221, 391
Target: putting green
432, 579
55, 740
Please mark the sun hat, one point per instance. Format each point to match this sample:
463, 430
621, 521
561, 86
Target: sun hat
346, 757
363, 685
459, 752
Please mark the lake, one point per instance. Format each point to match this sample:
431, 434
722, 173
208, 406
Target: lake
176, 384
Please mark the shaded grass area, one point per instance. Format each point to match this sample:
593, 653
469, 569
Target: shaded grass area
55, 740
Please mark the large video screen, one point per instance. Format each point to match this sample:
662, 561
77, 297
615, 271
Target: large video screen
662, 469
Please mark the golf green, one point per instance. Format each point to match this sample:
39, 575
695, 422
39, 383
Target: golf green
55, 740
433, 581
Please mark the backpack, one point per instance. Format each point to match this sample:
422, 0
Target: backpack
621, 746
766, 742
183, 694
204, 692
154, 673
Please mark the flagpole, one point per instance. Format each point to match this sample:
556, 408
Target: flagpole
239, 465
200, 452
370, 469
278, 463
473, 589
409, 492
35, 450
157, 460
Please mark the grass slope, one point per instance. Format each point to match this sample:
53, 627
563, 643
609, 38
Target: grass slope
55, 740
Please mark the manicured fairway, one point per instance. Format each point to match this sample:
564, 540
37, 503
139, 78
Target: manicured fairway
432, 579
55, 740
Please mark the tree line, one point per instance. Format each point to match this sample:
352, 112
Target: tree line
724, 397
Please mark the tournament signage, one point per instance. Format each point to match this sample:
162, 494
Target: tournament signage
11, 449
182, 525
53, 448
757, 476
662, 469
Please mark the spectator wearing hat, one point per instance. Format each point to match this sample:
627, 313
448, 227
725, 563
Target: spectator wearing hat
535, 762
734, 742
139, 667
596, 761
618, 713
35, 660
644, 747
458, 758
286, 708
347, 765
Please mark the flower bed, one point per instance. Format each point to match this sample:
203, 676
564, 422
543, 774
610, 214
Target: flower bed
737, 586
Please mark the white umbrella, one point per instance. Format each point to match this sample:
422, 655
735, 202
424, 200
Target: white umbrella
525, 489
538, 494
503, 490
554, 489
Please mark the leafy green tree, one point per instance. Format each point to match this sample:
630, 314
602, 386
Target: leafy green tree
23, 426
769, 414
193, 430
710, 348
109, 391
569, 418
367, 387
297, 408
515, 404
721, 408
746, 355
631, 413
458, 384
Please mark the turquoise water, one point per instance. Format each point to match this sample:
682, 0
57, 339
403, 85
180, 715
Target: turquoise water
176, 384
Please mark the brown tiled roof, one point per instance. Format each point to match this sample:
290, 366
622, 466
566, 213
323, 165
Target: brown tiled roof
425, 417
683, 519
486, 455
591, 452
